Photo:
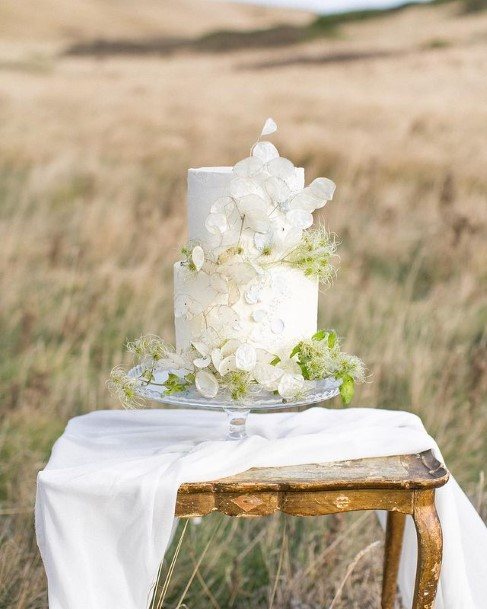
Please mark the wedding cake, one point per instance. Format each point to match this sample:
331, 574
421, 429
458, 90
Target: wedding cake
246, 288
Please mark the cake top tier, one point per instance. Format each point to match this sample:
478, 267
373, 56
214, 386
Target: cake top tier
206, 185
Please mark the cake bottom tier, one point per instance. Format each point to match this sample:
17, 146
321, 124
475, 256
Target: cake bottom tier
273, 311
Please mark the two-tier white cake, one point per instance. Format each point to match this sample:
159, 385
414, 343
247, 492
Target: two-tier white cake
246, 291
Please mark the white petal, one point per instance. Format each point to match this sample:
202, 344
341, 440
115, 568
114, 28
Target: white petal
265, 151
304, 200
267, 375
233, 294
281, 168
269, 127
206, 384
277, 326
216, 224
219, 284
223, 205
195, 307
249, 167
202, 348
241, 187
251, 203
262, 240
198, 257
277, 189
230, 347
322, 188
227, 365
290, 385
245, 357
241, 272
222, 317
202, 362
300, 218
254, 209
216, 357
259, 315
252, 294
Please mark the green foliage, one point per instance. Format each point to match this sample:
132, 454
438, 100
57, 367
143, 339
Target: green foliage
322, 357
238, 383
315, 255
175, 384
347, 389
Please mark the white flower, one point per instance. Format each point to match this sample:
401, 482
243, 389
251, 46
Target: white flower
323, 189
277, 326
299, 218
259, 315
233, 294
265, 151
186, 307
206, 384
269, 127
290, 385
245, 357
253, 294
219, 283
227, 365
250, 167
239, 272
277, 189
176, 361
281, 168
223, 217
253, 207
216, 223
267, 375
202, 362
216, 357
313, 196
242, 187
304, 200
198, 257
223, 318
263, 241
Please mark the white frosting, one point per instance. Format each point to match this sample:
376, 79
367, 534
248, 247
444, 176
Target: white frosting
274, 311
205, 186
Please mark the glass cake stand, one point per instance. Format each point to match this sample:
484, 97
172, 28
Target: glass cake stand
236, 411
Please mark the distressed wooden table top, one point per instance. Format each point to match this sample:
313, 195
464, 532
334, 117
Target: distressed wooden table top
419, 471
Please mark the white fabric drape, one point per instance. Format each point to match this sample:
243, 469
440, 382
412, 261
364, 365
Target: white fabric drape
105, 501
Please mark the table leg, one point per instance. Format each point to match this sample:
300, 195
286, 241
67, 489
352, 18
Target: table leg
430, 547
392, 555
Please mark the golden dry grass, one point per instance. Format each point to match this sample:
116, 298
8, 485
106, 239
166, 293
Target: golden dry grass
93, 155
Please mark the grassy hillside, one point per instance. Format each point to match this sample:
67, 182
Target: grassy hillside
93, 156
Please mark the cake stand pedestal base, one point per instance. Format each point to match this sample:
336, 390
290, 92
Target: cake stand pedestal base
237, 412
237, 419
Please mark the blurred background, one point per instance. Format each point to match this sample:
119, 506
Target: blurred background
105, 104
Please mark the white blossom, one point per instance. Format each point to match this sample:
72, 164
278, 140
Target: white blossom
245, 357
290, 385
269, 127
198, 257
206, 384
265, 151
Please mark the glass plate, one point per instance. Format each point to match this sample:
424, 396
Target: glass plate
237, 411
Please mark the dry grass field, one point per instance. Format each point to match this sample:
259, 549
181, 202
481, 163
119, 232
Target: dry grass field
104, 106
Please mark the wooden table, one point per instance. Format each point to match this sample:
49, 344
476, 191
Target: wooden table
401, 485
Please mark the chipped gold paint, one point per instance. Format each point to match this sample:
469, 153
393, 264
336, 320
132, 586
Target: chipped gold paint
400, 485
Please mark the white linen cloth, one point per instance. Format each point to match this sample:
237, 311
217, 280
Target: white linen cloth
105, 501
